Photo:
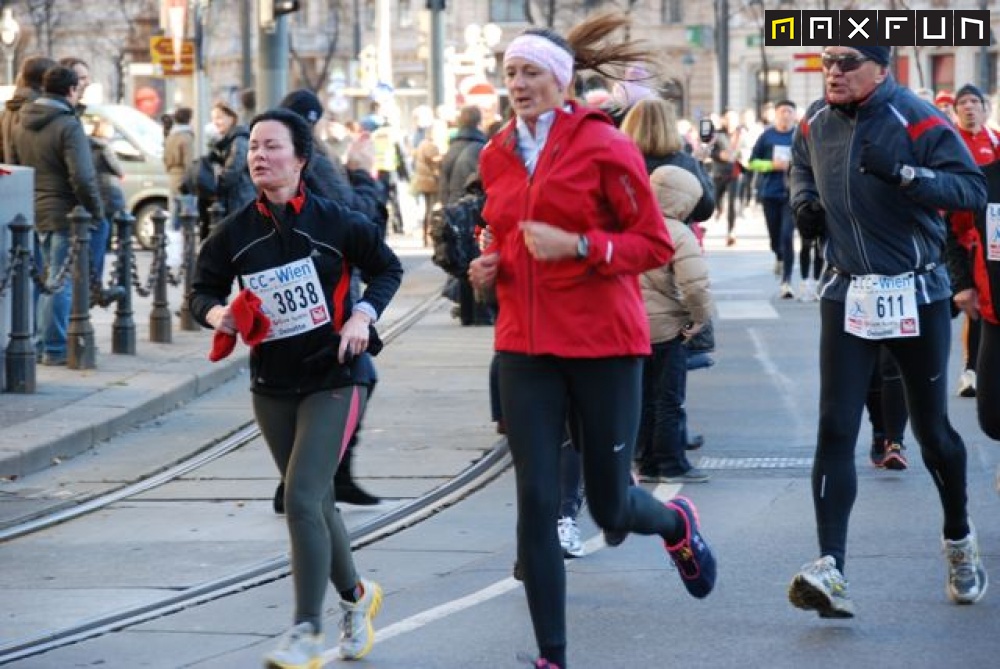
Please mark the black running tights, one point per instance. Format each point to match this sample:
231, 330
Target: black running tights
846, 365
605, 398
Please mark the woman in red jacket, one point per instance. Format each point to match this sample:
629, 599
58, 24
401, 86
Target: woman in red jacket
574, 223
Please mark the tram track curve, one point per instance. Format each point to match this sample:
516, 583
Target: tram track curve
490, 464
201, 457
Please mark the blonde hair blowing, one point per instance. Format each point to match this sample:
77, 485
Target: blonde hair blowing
652, 125
593, 48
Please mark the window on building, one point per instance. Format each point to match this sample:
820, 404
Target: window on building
507, 11
671, 11
771, 87
943, 72
405, 13
370, 17
991, 72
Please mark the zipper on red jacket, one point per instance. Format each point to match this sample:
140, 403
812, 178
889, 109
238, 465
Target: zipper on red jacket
531, 265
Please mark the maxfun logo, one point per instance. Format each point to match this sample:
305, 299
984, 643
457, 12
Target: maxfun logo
868, 27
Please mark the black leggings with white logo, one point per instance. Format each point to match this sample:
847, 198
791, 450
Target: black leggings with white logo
603, 396
846, 365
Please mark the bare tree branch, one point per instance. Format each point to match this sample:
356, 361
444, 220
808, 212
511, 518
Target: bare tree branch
332, 32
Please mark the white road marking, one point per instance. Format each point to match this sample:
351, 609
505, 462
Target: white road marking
662, 492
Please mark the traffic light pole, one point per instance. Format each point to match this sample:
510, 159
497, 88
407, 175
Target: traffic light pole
272, 64
437, 52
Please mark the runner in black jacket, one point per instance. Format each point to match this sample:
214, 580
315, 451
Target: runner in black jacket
310, 375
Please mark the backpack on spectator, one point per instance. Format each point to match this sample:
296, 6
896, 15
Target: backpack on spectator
199, 179
453, 233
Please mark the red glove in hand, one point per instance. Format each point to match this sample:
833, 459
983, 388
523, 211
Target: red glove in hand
251, 324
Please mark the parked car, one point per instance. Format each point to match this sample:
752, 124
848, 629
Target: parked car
138, 143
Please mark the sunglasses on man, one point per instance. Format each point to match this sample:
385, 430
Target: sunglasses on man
847, 62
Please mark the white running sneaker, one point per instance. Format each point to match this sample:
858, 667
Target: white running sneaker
967, 384
786, 291
819, 586
357, 634
569, 537
300, 648
807, 291
967, 579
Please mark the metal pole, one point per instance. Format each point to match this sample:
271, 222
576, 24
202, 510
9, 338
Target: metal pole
272, 64
80, 331
437, 56
984, 61
201, 90
189, 217
722, 51
123, 328
246, 37
357, 30
159, 316
20, 356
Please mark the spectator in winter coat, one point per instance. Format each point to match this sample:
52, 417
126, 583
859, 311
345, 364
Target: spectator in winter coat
354, 188
29, 87
229, 154
459, 168
51, 139
678, 305
109, 181
653, 127
178, 153
426, 176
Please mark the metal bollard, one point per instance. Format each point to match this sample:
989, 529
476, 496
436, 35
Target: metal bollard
123, 329
189, 219
216, 213
80, 332
159, 316
20, 356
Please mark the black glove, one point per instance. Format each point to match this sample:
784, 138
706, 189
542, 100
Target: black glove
879, 163
810, 219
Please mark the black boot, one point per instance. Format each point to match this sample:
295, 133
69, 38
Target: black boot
279, 498
345, 488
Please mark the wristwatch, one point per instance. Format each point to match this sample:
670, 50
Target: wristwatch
582, 247
907, 173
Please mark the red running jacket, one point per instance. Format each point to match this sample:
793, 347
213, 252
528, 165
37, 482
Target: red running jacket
590, 179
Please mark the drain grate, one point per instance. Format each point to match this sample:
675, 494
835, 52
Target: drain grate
754, 463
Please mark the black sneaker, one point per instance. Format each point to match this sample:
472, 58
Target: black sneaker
692, 555
877, 454
279, 499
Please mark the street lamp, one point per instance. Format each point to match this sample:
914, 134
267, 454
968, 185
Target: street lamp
479, 41
10, 33
687, 63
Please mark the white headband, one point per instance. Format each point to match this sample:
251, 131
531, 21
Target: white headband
545, 54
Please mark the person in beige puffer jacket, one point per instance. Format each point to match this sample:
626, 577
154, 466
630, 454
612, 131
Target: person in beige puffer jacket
678, 304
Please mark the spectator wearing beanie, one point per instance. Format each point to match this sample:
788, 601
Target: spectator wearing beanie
355, 189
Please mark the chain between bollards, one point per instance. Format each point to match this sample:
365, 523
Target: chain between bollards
80, 349
20, 356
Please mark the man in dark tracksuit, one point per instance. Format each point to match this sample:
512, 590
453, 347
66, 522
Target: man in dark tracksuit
874, 165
